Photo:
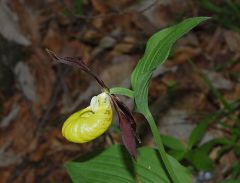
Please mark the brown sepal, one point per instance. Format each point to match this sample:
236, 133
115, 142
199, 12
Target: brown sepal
76, 62
127, 125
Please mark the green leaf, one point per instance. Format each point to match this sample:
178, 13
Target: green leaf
199, 157
211, 6
156, 53
157, 50
198, 132
172, 143
235, 169
237, 150
115, 165
159, 46
177, 149
230, 181
209, 145
178, 155
200, 160
78, 6
122, 91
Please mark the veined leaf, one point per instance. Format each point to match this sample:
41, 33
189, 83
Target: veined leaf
115, 165
159, 45
156, 53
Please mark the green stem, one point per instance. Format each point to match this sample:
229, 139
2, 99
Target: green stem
122, 91
158, 140
154, 129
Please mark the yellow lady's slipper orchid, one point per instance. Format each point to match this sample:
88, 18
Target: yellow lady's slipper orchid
91, 122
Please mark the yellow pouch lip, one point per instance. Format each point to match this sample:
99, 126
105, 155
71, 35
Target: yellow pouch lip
99, 111
73, 116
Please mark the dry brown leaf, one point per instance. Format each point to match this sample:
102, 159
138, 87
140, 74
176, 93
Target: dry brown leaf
41, 68
92, 35
233, 40
122, 48
100, 6
54, 39
184, 54
31, 176
40, 152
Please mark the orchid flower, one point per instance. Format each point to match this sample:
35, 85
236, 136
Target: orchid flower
92, 121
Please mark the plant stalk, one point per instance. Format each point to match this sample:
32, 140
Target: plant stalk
158, 140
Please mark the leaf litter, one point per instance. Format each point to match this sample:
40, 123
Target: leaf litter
111, 41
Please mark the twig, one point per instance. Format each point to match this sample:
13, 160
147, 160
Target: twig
148, 7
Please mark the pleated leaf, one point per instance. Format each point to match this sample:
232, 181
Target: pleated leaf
114, 165
156, 53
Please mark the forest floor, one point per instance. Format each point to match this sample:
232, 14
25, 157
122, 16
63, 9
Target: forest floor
36, 95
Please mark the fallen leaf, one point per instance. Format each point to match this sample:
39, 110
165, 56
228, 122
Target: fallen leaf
26, 81
11, 30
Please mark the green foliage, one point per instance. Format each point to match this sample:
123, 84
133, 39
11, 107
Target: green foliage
200, 159
157, 50
173, 143
76, 9
115, 165
176, 148
199, 131
227, 13
198, 155
78, 6
230, 181
235, 170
